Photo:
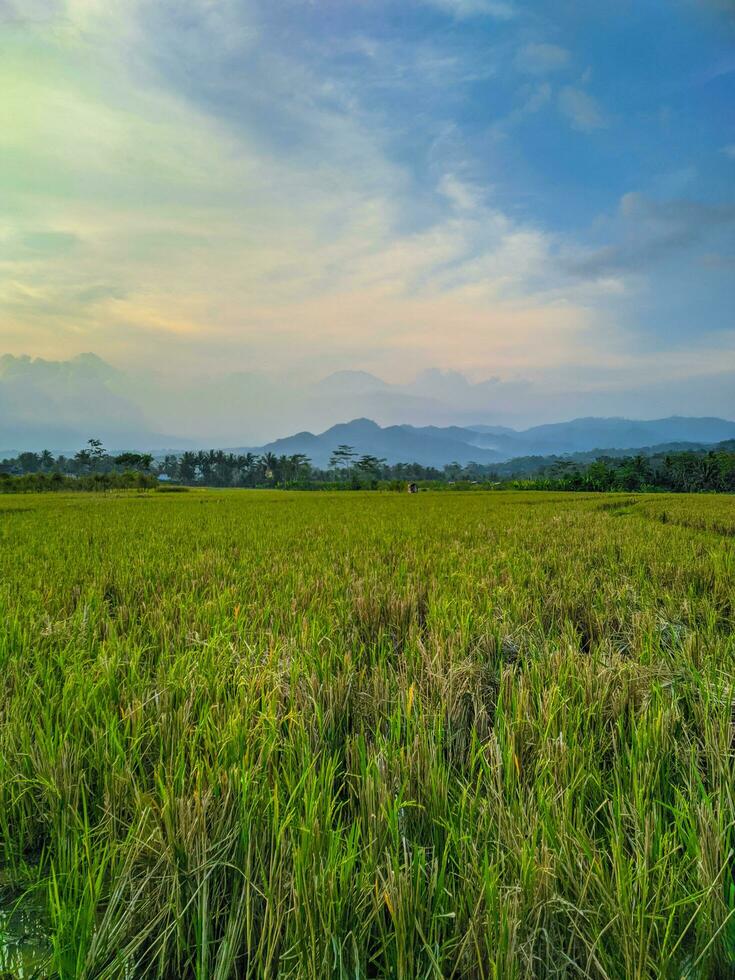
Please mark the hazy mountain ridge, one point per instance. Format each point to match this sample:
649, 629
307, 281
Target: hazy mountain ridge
440, 416
437, 446
394, 443
58, 405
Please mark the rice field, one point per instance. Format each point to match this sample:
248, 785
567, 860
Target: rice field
361, 735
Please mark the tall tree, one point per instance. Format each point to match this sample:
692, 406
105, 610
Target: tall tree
369, 467
341, 458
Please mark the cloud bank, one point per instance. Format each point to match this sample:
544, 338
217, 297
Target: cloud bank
289, 189
45, 404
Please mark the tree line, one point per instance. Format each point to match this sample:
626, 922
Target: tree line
93, 468
693, 471
93, 465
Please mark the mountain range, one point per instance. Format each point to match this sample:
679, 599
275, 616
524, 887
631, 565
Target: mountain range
437, 446
58, 405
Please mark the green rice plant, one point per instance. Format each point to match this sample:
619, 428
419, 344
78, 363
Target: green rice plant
325, 735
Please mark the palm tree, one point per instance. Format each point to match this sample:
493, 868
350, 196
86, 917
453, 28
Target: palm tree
269, 461
82, 460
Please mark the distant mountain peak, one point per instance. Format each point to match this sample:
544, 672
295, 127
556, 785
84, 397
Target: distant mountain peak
356, 425
439, 445
437, 374
351, 382
88, 357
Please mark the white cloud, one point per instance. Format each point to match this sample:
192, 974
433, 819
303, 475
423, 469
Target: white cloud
533, 99
253, 214
581, 109
462, 195
27, 12
499, 9
199, 234
540, 59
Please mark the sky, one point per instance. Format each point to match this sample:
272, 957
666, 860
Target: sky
537, 193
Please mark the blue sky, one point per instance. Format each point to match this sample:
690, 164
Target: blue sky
540, 192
